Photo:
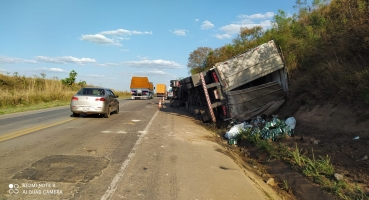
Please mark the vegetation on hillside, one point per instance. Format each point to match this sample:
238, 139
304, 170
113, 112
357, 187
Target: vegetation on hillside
325, 45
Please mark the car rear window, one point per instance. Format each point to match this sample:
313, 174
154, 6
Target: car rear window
92, 91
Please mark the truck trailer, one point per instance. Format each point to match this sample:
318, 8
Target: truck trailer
248, 85
141, 88
161, 90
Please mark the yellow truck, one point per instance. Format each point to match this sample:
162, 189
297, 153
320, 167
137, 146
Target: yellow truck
161, 90
141, 88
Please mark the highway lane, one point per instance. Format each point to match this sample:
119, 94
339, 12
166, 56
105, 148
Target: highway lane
26, 122
140, 153
77, 158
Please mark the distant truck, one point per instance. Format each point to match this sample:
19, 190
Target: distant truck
250, 84
141, 88
161, 90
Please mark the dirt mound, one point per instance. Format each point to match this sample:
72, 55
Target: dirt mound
339, 133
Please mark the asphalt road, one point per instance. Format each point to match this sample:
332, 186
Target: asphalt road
140, 153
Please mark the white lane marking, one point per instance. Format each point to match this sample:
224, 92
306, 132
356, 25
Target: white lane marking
121, 132
136, 120
105, 131
113, 185
142, 132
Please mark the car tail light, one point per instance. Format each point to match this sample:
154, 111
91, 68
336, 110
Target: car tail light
74, 99
100, 99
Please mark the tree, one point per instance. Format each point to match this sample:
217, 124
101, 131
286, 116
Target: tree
197, 59
82, 83
247, 38
72, 78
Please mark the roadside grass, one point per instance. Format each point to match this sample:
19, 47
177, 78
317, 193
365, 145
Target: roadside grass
42, 105
318, 169
20, 93
122, 94
37, 106
286, 187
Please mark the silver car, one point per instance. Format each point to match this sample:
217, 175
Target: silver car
94, 100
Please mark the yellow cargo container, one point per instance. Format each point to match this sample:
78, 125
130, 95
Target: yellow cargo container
161, 90
141, 88
140, 82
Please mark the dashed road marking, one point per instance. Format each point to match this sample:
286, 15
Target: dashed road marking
113, 185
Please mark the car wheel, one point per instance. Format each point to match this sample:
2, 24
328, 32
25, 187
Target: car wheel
107, 114
117, 110
75, 115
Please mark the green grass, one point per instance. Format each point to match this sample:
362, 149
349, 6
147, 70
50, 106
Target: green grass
286, 187
37, 106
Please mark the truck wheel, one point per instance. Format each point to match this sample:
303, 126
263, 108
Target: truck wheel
107, 114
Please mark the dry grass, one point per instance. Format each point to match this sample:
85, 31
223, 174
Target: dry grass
19, 93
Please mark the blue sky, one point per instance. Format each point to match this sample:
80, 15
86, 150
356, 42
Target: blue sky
108, 42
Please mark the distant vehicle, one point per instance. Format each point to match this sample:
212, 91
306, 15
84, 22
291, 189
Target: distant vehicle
141, 88
170, 93
94, 100
161, 90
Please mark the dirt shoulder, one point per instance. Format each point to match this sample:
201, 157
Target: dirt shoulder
339, 132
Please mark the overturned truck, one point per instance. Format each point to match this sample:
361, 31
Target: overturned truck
250, 84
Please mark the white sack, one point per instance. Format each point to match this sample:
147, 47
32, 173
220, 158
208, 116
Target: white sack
291, 122
234, 131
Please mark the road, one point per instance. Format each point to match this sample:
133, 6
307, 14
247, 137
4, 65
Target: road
141, 153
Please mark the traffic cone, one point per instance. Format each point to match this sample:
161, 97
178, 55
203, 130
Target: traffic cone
159, 103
